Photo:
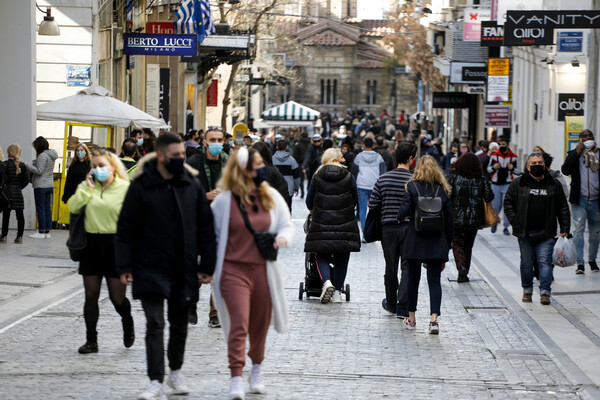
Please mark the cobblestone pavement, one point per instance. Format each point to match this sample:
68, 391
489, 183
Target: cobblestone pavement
352, 350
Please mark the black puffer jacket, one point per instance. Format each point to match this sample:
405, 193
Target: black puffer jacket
163, 227
334, 228
517, 200
15, 184
75, 175
277, 181
467, 200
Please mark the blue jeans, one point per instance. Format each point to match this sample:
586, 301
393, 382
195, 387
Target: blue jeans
497, 203
543, 252
586, 209
363, 202
43, 207
340, 268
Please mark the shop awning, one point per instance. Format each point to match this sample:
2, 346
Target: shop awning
95, 105
290, 112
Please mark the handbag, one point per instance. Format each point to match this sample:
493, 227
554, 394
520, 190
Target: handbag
372, 231
77, 241
491, 216
307, 222
264, 240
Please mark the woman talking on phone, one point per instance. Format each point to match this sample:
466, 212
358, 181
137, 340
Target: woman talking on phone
100, 196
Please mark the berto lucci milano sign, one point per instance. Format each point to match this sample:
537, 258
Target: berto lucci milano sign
160, 45
529, 28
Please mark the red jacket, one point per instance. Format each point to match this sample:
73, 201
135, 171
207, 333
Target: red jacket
503, 176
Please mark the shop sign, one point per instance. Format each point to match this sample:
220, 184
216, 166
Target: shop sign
166, 45
450, 100
468, 73
472, 23
498, 88
212, 94
492, 34
497, 116
153, 89
161, 27
569, 42
79, 75
498, 66
164, 94
476, 90
570, 105
528, 28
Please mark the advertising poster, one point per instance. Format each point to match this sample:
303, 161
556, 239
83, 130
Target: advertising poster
153, 89
573, 126
473, 18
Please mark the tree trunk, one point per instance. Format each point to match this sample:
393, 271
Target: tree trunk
226, 96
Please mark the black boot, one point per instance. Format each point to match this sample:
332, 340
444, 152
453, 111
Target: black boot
91, 344
128, 331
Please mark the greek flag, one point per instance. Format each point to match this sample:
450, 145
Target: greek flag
205, 23
193, 16
186, 17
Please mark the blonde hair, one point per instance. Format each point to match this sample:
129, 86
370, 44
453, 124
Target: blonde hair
331, 157
118, 167
241, 184
539, 147
1, 154
14, 151
428, 171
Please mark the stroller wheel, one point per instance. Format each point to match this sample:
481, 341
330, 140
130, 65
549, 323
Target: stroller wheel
301, 291
347, 292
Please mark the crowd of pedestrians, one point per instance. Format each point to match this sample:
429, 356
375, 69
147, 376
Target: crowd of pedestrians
172, 213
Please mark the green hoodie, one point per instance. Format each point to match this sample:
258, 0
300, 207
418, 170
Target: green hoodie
102, 206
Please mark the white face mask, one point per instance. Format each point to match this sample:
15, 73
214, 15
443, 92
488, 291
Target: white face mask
589, 144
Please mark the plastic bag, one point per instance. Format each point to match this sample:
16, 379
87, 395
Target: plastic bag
564, 253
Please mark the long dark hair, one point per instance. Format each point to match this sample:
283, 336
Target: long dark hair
264, 151
469, 166
40, 144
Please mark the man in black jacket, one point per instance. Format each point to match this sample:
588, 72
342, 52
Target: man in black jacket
533, 204
166, 224
583, 166
312, 158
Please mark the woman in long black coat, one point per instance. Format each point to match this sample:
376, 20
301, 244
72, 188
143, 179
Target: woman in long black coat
333, 233
79, 168
16, 180
430, 248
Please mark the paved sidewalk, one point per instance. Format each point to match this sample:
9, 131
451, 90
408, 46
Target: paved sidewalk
354, 350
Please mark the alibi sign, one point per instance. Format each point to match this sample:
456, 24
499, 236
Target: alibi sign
529, 28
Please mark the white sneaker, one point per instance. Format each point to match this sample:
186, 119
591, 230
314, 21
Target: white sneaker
47, 236
236, 389
337, 297
327, 292
37, 235
176, 382
256, 380
154, 391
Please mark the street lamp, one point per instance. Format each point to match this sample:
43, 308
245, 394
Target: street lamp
48, 27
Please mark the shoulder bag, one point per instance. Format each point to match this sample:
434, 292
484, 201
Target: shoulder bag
264, 240
491, 216
77, 241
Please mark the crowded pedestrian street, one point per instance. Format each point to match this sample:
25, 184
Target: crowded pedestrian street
490, 345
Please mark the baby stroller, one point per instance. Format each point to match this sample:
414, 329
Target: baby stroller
312, 280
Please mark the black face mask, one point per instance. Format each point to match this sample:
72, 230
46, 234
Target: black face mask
503, 149
175, 165
536, 170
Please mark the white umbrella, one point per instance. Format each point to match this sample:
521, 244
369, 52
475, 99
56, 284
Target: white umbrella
95, 105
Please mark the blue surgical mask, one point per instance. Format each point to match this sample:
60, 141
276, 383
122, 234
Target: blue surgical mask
101, 173
261, 175
215, 148
81, 154
231, 143
140, 141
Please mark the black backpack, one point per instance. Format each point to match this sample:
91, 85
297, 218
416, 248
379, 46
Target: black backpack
4, 190
429, 217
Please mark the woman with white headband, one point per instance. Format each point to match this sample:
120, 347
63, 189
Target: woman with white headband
248, 282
